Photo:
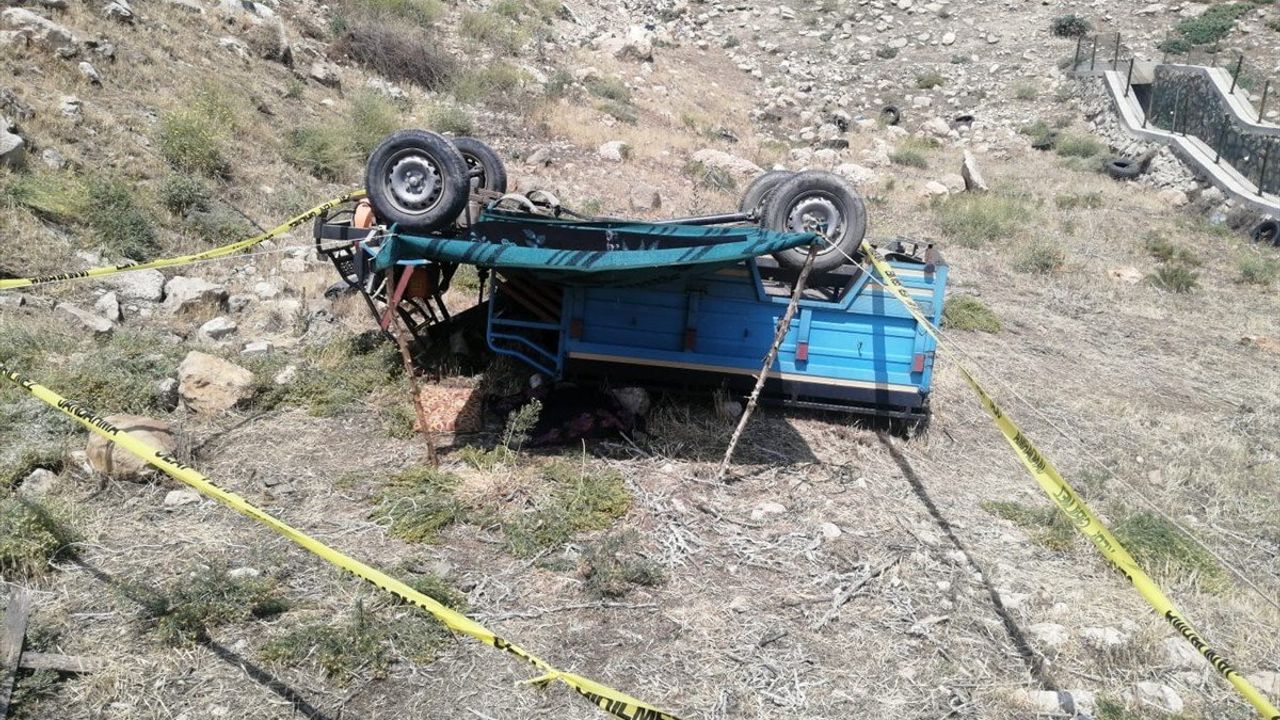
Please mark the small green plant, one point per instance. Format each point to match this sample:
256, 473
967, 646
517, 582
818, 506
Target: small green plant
707, 177
621, 112
1046, 526
419, 503
321, 150
372, 116
731, 42
1070, 25
886, 52
959, 59
1162, 550
440, 590
194, 137
32, 535
519, 423
1072, 201
930, 80
451, 119
1176, 278
342, 650
54, 196
1213, 24
118, 222
219, 225
333, 376
964, 312
1026, 90
1040, 133
1257, 271
294, 89
398, 52
609, 88
421, 12
611, 567
973, 220
1274, 24
559, 83
181, 193
27, 461
493, 29
578, 501
1081, 146
207, 597
497, 83
1174, 46
1166, 252
908, 156
1040, 256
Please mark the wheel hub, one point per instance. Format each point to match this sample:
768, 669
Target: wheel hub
415, 182
818, 215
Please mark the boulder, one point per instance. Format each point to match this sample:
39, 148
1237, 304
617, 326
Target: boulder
614, 151
37, 484
856, 174
13, 149
634, 399
180, 497
165, 392
636, 45
116, 462
108, 306
973, 180
325, 73
184, 293
1049, 634
208, 384
645, 197
1160, 696
933, 188
217, 328
1103, 638
118, 10
98, 324
138, 285
90, 73
39, 30
722, 160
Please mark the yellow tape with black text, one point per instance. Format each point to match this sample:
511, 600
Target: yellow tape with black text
606, 698
210, 254
1077, 511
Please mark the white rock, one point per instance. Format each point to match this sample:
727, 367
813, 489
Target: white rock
1042, 702
257, 347
936, 127
13, 149
217, 328
856, 174
766, 509
293, 266
243, 573
70, 106
209, 384
614, 151
111, 459
1179, 653
108, 306
286, 375
98, 324
325, 73
637, 45
729, 163
38, 483
266, 290
1049, 634
1161, 696
830, 531
933, 188
972, 176
180, 497
948, 38
138, 285
921, 101
40, 30
185, 293
1173, 197
645, 197
1103, 638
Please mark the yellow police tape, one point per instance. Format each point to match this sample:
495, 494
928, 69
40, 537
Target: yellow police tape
213, 253
1077, 511
604, 697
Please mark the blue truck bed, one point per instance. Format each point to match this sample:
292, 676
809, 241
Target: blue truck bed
850, 346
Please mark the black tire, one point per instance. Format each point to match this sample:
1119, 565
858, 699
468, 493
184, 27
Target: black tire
1267, 231
417, 180
891, 114
492, 173
822, 202
1122, 168
760, 189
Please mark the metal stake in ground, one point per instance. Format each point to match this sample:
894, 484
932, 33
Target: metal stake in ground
783, 325
414, 391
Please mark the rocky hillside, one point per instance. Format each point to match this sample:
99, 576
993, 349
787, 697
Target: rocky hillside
844, 573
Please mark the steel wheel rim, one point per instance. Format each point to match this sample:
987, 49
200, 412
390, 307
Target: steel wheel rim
475, 171
414, 181
817, 213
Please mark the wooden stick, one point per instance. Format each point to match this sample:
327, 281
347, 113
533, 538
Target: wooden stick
414, 391
15, 629
61, 663
783, 326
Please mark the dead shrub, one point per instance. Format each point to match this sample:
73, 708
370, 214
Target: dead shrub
402, 53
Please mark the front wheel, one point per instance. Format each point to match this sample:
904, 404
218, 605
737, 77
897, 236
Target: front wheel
760, 189
485, 167
417, 179
822, 203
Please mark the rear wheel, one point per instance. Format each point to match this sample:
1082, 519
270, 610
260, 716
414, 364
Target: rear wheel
760, 189
486, 168
416, 179
822, 203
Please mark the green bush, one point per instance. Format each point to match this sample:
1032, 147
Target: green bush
619, 111
909, 157
497, 83
1026, 90
1176, 278
371, 117
1213, 24
419, 503
421, 12
609, 88
219, 225
712, 178
930, 80
117, 222
1257, 270
1041, 256
1071, 201
1174, 46
963, 312
181, 193
1070, 25
398, 52
492, 28
333, 376
322, 150
1081, 146
1161, 549
451, 119
578, 501
612, 566
1046, 526
207, 597
974, 219
194, 137
31, 536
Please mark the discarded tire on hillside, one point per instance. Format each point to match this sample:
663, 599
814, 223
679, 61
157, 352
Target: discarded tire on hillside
891, 115
760, 189
1122, 168
820, 202
417, 179
484, 166
1267, 231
